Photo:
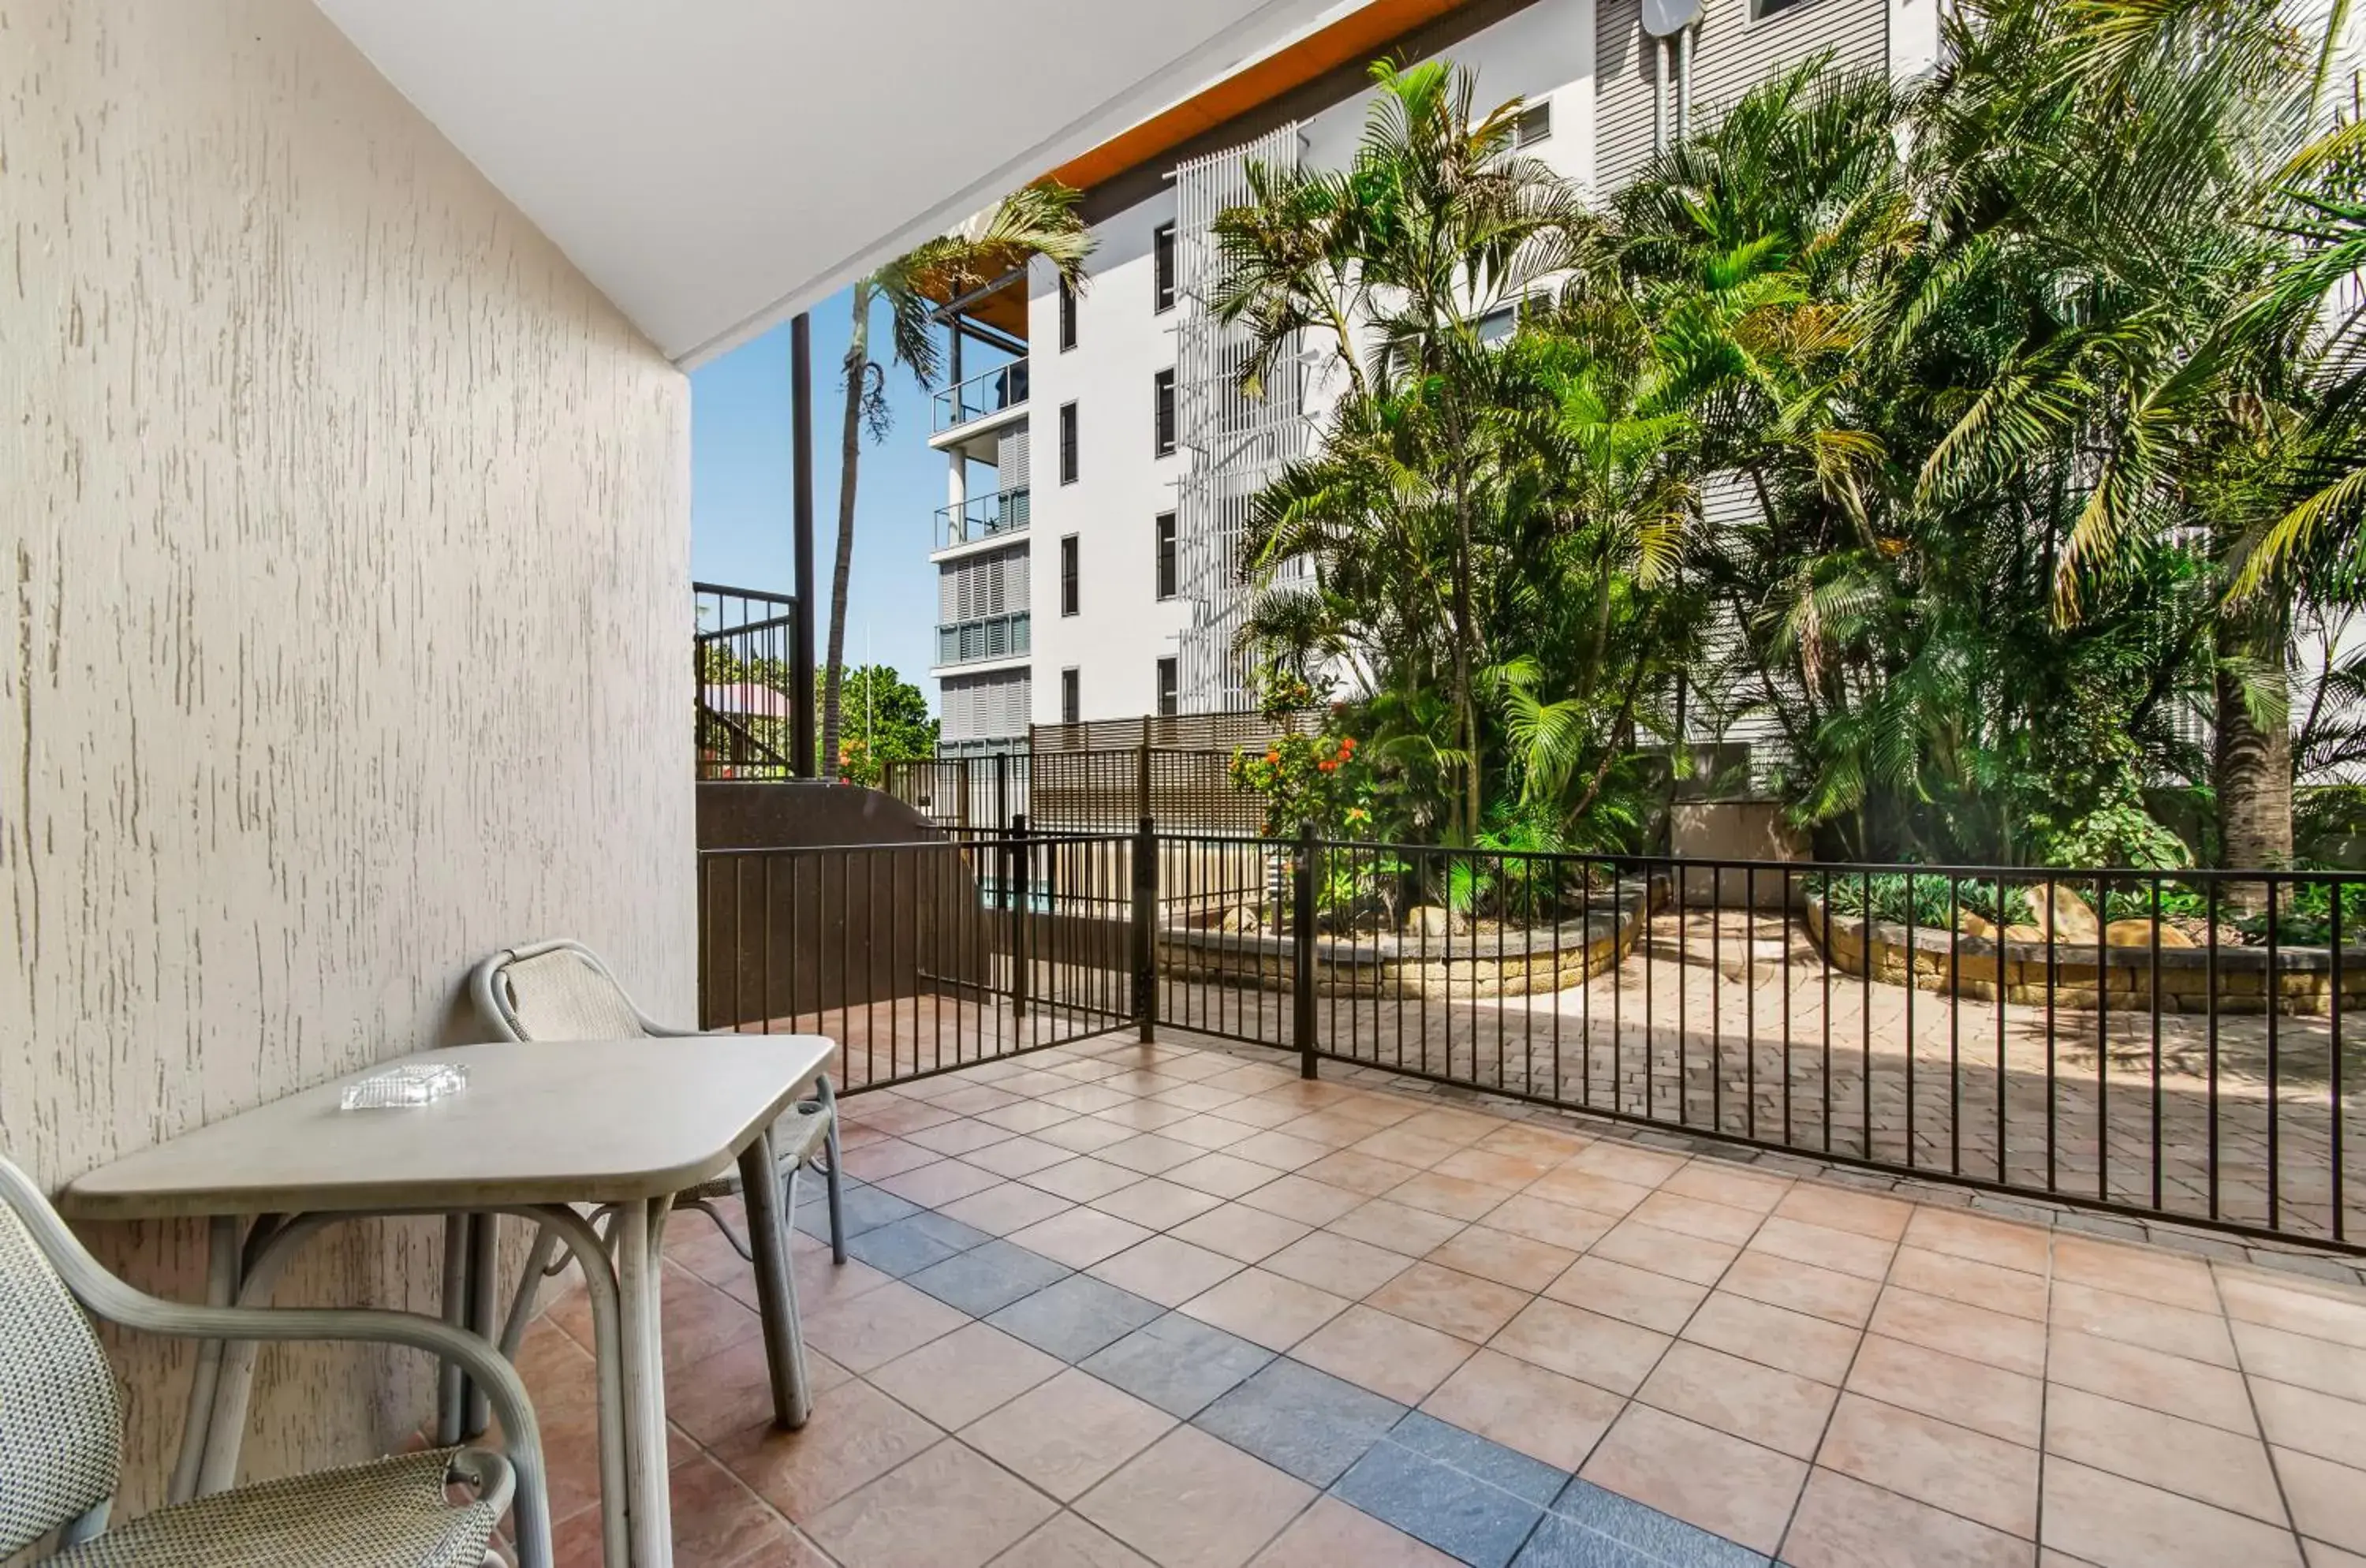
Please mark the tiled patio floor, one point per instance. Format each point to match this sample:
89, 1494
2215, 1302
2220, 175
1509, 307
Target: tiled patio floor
1126, 1305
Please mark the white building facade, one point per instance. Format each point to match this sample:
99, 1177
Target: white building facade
1100, 582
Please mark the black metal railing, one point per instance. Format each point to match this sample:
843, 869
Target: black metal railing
2168, 1044
743, 658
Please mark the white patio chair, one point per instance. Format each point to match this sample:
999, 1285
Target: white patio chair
60, 1447
558, 989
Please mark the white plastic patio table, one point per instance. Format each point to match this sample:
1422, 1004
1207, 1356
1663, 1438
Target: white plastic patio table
540, 1125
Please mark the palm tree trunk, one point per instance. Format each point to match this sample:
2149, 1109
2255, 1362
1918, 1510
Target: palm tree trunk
849, 458
2253, 759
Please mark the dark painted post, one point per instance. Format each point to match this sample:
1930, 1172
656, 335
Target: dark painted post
1023, 870
801, 657
1301, 949
1145, 928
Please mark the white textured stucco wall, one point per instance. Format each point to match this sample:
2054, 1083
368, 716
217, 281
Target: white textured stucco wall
341, 619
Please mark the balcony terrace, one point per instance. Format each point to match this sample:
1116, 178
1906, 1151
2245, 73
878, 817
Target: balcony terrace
998, 391
996, 516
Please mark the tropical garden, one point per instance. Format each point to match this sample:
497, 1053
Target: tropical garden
1990, 447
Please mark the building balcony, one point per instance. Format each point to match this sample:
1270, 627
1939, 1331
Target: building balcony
989, 636
982, 517
999, 390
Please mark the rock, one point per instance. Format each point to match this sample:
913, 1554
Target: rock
1241, 917
2139, 933
2024, 933
1430, 919
1975, 925
2070, 919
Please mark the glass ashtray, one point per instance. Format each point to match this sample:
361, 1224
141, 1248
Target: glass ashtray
411, 1084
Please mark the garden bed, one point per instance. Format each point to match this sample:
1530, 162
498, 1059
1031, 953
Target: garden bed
1936, 959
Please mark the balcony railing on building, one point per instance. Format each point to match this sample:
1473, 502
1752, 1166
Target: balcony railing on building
990, 637
982, 517
1004, 386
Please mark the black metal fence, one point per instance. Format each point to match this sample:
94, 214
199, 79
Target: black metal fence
2161, 1043
743, 656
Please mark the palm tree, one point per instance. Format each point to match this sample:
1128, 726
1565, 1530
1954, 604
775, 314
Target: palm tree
1039, 220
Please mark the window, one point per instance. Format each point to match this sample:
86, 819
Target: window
1166, 555
1165, 688
1067, 317
1498, 324
1067, 444
1162, 405
1534, 124
1068, 575
1162, 266
1072, 701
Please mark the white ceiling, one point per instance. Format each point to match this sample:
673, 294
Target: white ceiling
717, 165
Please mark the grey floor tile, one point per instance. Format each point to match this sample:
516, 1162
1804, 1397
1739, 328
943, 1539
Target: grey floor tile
1662, 1537
989, 1277
1075, 1317
952, 1233
867, 1208
1531, 1480
1309, 1422
901, 1247
1561, 1543
1454, 1511
1179, 1363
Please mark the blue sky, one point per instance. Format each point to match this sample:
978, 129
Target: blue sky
739, 529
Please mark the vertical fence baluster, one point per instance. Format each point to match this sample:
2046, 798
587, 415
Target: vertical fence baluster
2271, 989
1301, 951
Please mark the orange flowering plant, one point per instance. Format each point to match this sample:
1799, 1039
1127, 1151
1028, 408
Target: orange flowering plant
1321, 779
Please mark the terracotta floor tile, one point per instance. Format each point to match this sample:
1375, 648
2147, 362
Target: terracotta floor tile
2310, 1421
1774, 1409
2323, 1556
1491, 1167
1265, 1309
1448, 1195
2115, 1523
1387, 1354
1597, 1349
2195, 1390
955, 1380
1790, 1341
1932, 1461
1405, 1147
887, 1156
2300, 1306
1259, 1113
1082, 1179
1339, 1264
1589, 1189
1082, 1134
2215, 1466
1156, 1204
1027, 1116
1412, 1232
1086, 1098
1844, 1252
1066, 1434
1736, 1187
971, 1095
1631, 1294
1332, 1127
1703, 1476
1017, 1156
1150, 1153
1644, 1168
1080, 1238
2147, 1273
1012, 1206
2197, 1336
932, 1185
2007, 1290
957, 1137
1147, 1115
1801, 1287
1455, 1127
717, 1519
948, 1509
2301, 1359
1698, 1217
1508, 1259
1206, 1131
1193, 1501
1450, 1300
1666, 1252
856, 1435
1165, 1269
1837, 1208
1555, 1225
1843, 1523
2014, 1343
1524, 1408
700, 1319
1308, 1202
1280, 1150
1240, 1232
874, 1328
1222, 1175
1333, 1535
2002, 1242
1067, 1541
729, 1391
2328, 1500
1969, 1393
1362, 1173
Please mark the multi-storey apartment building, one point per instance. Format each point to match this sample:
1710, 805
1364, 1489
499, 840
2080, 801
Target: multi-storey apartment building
1102, 581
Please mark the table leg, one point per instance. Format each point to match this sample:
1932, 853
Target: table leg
776, 1286
607, 1353
638, 1288
484, 1313
451, 1384
224, 1242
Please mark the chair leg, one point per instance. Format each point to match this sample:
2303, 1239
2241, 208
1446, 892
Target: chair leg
776, 1291
837, 1204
